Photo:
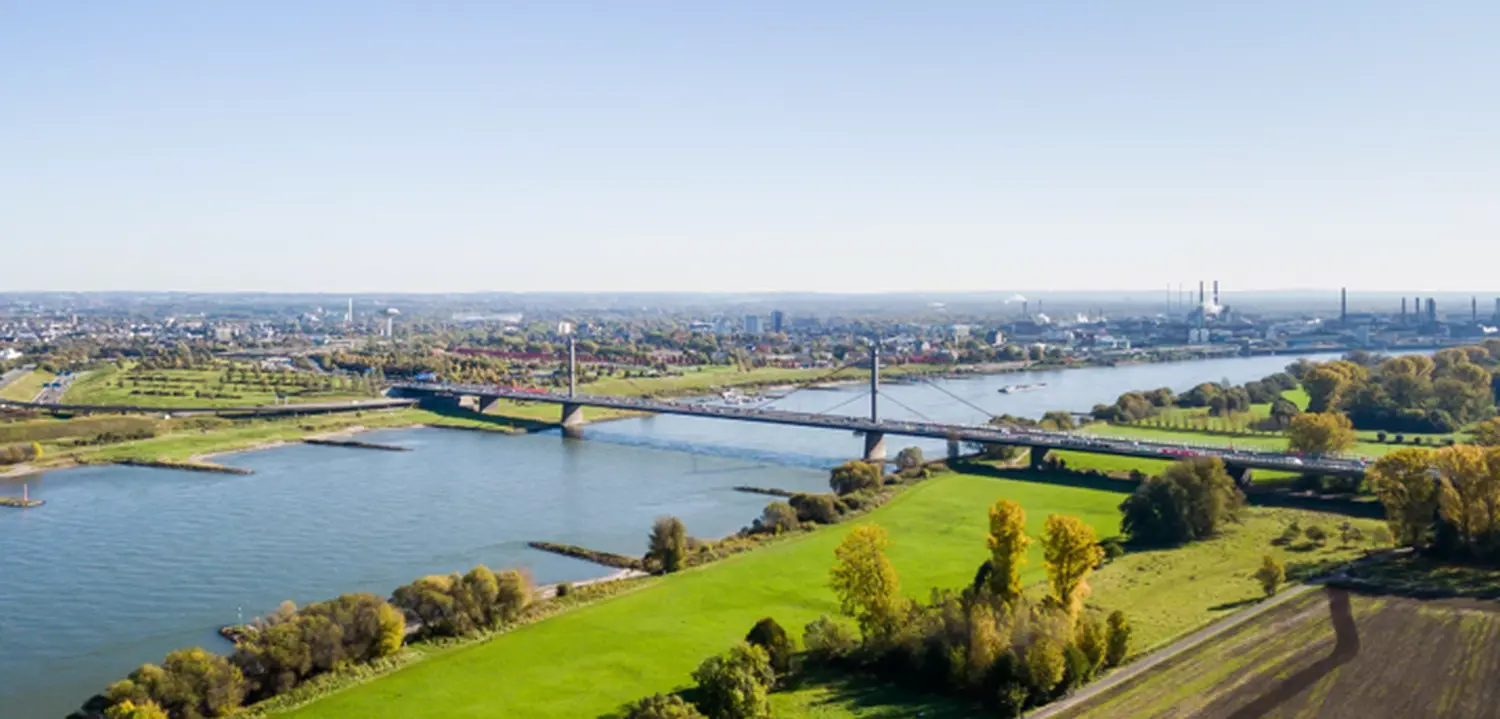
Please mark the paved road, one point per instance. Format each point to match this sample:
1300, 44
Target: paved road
1156, 658
53, 393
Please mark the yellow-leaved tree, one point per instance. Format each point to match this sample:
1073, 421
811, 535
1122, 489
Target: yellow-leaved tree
1320, 433
1403, 480
866, 583
1072, 551
130, 710
1007, 542
1487, 433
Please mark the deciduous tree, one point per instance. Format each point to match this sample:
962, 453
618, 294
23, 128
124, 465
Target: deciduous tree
1270, 575
668, 544
865, 582
1320, 433
854, 475
1117, 639
736, 685
1072, 551
1007, 542
1405, 483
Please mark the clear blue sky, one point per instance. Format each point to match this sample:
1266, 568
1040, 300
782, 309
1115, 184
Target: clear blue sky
838, 146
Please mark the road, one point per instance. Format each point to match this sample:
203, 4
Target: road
1012, 434
54, 391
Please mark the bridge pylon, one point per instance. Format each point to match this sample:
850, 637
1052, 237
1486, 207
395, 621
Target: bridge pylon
875, 447
1038, 458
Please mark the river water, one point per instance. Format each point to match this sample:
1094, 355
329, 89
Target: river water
125, 564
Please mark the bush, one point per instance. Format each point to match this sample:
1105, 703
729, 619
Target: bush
667, 547
735, 685
1116, 639
854, 476
1270, 575
563, 589
820, 508
663, 706
1317, 535
1191, 500
778, 517
769, 635
1113, 547
827, 640
191, 683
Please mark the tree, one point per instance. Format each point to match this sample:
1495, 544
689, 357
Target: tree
778, 517
1091, 640
769, 635
663, 706
736, 685
130, 710
1320, 433
820, 508
1007, 542
827, 640
1191, 500
1487, 433
1270, 575
865, 582
855, 475
1283, 411
1071, 551
1044, 663
190, 683
668, 544
1316, 534
909, 460
1329, 384
1057, 419
1464, 489
1117, 639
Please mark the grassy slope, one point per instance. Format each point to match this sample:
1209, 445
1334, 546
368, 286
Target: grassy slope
27, 387
590, 661
98, 387
244, 434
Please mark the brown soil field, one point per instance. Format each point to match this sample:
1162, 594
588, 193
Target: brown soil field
1332, 654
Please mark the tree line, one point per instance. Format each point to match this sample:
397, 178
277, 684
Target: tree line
1410, 393
280, 651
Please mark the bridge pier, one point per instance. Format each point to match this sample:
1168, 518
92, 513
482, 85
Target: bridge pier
487, 405
572, 415
1240, 475
955, 448
1038, 458
874, 446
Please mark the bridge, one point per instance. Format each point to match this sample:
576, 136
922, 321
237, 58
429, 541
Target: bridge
1240, 462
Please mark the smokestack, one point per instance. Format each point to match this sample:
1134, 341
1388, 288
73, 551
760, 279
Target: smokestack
1343, 304
1403, 310
1216, 293
1025, 308
1200, 293
1474, 308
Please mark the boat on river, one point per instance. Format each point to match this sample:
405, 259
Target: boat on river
1013, 388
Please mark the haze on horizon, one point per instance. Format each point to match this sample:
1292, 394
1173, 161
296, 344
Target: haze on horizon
670, 146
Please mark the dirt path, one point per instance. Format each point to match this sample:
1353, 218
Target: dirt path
1156, 658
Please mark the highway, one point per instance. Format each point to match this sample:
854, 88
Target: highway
1012, 435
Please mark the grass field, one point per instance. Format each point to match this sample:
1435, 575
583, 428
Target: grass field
27, 387
649, 640
114, 385
1329, 654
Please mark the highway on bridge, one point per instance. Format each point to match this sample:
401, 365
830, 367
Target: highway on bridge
1013, 435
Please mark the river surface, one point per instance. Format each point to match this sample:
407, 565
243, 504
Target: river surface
124, 564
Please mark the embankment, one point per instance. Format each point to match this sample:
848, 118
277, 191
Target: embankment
608, 559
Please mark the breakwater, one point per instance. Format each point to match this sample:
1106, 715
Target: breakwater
608, 559
357, 444
184, 466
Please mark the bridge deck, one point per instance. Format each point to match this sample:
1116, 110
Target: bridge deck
1018, 436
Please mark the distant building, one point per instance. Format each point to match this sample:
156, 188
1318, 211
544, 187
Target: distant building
9, 353
753, 325
960, 331
778, 320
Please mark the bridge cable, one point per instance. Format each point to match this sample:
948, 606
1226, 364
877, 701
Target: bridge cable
860, 395
987, 413
908, 408
804, 384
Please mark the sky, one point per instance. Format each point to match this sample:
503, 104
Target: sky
837, 146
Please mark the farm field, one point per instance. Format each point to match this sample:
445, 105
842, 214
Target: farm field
649, 640
1329, 654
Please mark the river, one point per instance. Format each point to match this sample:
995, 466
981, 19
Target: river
125, 564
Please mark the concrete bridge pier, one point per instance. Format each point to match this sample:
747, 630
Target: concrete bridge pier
487, 404
1240, 475
954, 448
874, 446
1038, 458
572, 415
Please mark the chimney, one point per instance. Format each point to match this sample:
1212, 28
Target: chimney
1200, 293
1403, 310
1343, 304
1474, 308
1026, 308
1216, 293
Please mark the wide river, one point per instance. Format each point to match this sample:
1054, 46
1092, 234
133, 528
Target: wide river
123, 565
